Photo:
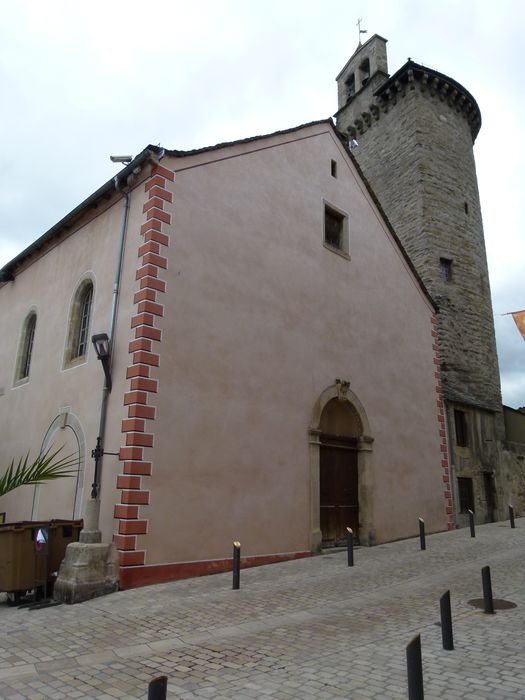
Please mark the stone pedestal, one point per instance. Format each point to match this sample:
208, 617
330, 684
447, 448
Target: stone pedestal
90, 532
87, 571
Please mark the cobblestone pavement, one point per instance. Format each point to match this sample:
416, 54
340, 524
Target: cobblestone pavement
307, 629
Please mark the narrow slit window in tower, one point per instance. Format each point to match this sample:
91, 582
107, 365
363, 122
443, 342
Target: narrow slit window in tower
446, 269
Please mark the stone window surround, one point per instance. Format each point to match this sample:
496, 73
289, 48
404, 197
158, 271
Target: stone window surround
25, 347
74, 320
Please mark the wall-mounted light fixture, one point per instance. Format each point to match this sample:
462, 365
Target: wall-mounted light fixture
101, 344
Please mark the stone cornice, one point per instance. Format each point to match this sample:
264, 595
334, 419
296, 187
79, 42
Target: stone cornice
435, 84
429, 82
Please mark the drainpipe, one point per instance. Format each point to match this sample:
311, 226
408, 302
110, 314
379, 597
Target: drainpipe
91, 531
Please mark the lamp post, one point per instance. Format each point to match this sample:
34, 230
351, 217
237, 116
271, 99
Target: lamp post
102, 348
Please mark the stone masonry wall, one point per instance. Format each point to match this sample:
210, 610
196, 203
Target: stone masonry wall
416, 152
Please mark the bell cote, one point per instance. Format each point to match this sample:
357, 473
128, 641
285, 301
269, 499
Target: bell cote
366, 70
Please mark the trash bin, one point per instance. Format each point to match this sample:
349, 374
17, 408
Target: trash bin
17, 556
20, 568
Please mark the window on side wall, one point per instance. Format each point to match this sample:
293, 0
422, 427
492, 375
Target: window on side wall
466, 494
79, 324
460, 424
335, 229
25, 349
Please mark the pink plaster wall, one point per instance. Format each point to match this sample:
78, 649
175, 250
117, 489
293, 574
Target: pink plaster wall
261, 318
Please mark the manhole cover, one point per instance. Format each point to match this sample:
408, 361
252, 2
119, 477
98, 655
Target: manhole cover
499, 604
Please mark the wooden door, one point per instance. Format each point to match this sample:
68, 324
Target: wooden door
338, 494
490, 496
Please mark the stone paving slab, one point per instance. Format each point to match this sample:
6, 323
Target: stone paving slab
307, 629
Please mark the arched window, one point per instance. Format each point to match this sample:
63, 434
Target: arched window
25, 349
350, 86
364, 70
81, 339
79, 323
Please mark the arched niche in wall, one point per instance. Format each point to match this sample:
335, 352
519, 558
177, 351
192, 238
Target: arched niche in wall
62, 498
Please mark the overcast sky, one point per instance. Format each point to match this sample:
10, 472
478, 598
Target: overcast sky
83, 80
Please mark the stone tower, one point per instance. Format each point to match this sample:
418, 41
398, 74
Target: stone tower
415, 132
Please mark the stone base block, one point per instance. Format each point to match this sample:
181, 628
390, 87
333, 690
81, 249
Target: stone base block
87, 571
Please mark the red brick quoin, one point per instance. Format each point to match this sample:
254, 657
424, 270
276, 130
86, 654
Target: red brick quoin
144, 357
440, 405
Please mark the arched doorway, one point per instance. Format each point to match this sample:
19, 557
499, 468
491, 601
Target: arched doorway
340, 454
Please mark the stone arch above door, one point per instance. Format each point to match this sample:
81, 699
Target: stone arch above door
350, 421
66, 492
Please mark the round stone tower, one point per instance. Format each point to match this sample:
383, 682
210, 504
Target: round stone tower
412, 134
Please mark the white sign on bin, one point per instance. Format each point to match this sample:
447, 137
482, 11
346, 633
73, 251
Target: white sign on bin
41, 537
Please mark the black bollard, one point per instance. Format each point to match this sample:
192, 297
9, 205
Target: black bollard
487, 590
446, 622
415, 670
471, 521
236, 566
422, 533
511, 516
158, 688
350, 546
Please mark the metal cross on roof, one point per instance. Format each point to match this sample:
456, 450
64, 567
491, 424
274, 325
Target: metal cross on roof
361, 31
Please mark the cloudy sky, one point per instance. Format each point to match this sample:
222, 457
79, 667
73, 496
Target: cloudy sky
83, 80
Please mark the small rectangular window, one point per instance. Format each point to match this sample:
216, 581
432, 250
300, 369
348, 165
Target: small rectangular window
466, 494
446, 269
333, 168
335, 229
460, 423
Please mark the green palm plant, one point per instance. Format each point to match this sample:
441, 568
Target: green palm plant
46, 467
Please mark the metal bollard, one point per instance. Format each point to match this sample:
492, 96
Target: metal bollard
446, 622
158, 688
236, 566
422, 540
415, 670
471, 521
487, 590
350, 546
511, 516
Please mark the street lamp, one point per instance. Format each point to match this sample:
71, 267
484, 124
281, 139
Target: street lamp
101, 344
